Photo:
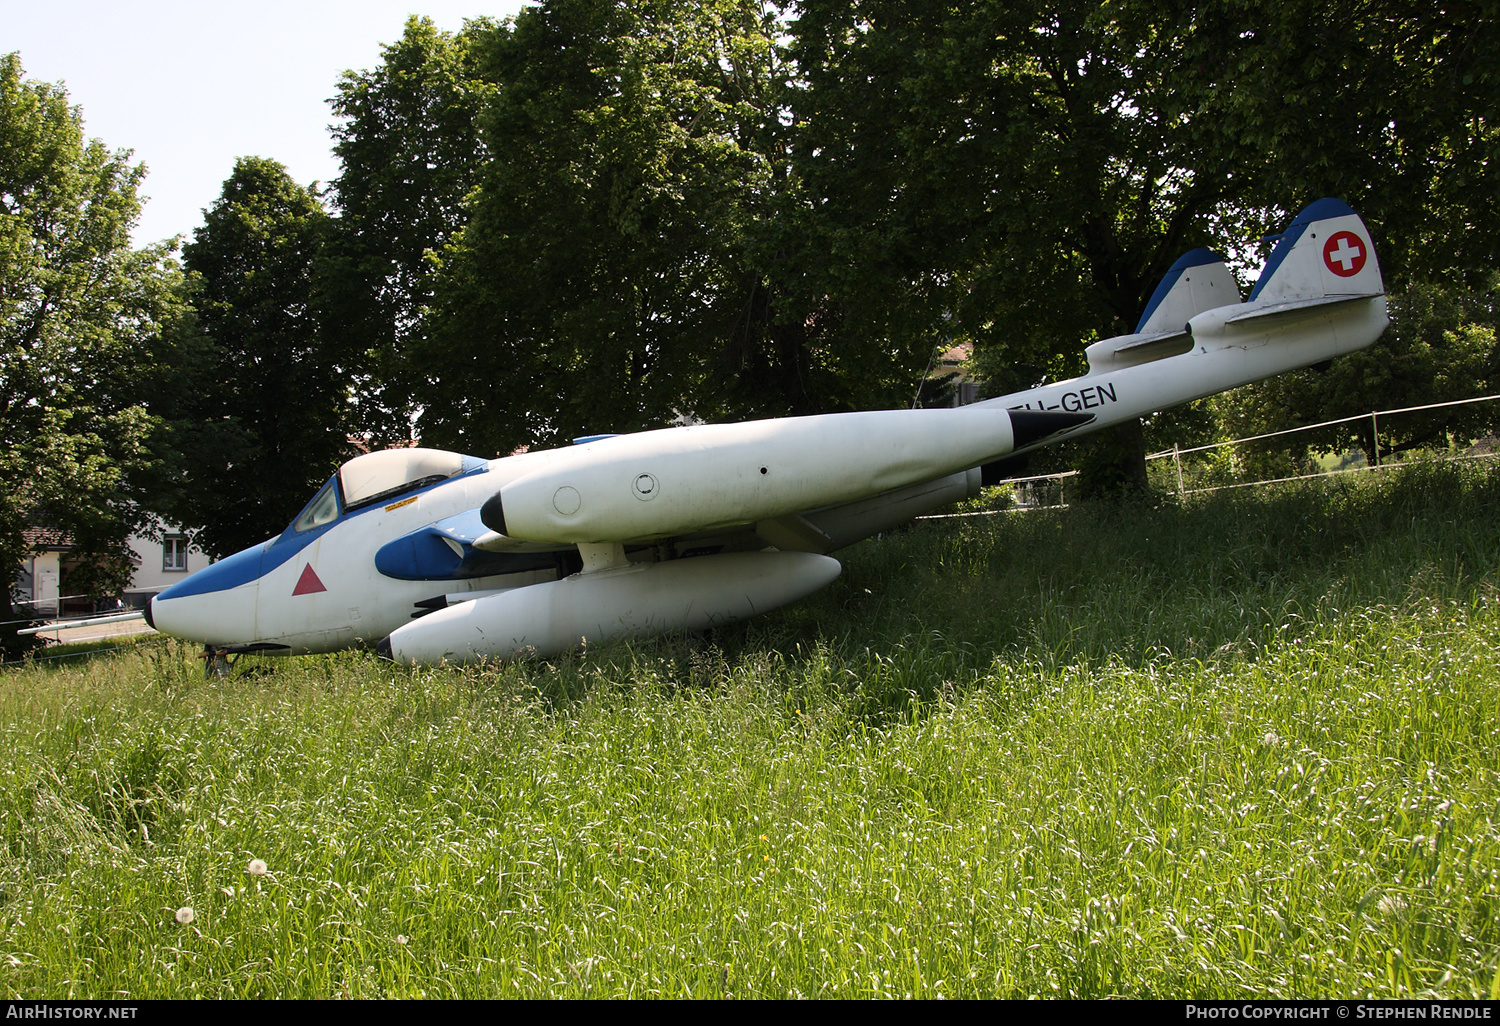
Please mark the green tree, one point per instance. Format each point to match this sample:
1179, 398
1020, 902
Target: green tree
623, 261
79, 315
1390, 106
256, 415
1026, 172
1019, 175
1393, 108
1441, 347
409, 151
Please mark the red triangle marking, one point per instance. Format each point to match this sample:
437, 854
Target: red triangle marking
308, 582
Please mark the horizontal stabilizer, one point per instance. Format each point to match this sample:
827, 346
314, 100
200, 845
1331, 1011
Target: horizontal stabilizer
1294, 306
1139, 342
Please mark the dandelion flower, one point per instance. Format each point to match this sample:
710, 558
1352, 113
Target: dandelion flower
256, 868
184, 915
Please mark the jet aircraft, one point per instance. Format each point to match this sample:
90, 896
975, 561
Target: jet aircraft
433, 556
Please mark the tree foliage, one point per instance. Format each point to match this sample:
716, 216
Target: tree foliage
79, 313
606, 274
1021, 174
1026, 172
1391, 107
258, 406
409, 151
1388, 105
645, 210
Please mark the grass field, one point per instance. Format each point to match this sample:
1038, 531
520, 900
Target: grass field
1243, 746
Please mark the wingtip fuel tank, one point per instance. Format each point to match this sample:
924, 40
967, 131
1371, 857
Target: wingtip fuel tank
639, 600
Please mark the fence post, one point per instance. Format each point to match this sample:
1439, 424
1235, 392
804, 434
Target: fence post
1375, 430
1177, 458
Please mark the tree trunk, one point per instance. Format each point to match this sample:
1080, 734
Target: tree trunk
13, 645
1114, 464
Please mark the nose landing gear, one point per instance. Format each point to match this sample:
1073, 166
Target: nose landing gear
217, 662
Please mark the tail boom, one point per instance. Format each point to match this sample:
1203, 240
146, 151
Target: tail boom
1319, 296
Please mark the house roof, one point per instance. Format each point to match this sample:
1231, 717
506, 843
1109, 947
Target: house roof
44, 539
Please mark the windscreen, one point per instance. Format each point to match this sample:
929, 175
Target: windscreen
324, 509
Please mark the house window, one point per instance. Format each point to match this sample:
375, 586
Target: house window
174, 554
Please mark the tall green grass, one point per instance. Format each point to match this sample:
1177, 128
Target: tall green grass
1243, 746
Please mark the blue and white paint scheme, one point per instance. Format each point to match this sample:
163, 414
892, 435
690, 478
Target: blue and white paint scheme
433, 556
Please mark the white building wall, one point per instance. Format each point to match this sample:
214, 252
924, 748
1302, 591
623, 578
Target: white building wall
152, 572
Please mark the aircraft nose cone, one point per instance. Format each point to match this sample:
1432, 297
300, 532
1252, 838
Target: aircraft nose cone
215, 618
147, 613
215, 606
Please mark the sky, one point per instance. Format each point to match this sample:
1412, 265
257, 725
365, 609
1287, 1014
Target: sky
191, 86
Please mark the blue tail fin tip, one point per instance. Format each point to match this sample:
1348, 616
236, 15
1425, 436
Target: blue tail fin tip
1196, 258
1321, 210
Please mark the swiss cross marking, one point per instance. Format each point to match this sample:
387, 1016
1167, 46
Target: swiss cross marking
308, 583
1344, 254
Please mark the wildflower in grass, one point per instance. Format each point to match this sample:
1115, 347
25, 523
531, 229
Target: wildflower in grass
256, 868
1272, 739
401, 938
184, 915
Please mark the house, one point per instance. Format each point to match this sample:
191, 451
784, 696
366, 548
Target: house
951, 371
41, 581
38, 583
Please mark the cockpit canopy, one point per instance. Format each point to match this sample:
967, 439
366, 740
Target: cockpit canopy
377, 476
381, 475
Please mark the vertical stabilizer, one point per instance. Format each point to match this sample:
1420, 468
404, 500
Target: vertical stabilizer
1198, 281
1325, 252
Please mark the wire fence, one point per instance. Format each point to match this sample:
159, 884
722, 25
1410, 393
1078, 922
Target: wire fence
1205, 482
1047, 491
64, 622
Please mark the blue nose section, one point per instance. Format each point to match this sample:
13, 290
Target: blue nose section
240, 568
